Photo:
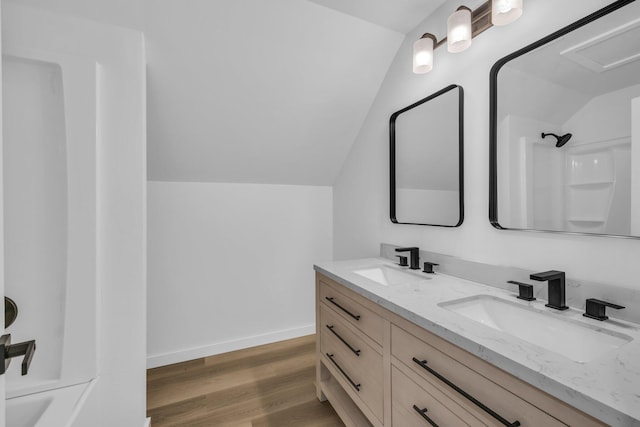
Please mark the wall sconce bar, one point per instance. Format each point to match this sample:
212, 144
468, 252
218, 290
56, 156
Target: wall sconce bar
480, 22
488, 14
481, 19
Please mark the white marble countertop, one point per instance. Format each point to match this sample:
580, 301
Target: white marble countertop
607, 387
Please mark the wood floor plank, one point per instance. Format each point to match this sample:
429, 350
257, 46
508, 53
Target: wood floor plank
174, 370
308, 414
228, 361
262, 351
242, 401
255, 407
265, 386
192, 384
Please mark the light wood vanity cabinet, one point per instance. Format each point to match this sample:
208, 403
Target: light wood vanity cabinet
378, 369
358, 361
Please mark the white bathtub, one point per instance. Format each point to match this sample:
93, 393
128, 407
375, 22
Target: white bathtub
52, 408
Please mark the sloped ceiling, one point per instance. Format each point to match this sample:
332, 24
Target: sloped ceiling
397, 15
258, 91
253, 90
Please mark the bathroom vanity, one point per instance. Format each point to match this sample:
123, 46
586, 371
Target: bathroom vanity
396, 347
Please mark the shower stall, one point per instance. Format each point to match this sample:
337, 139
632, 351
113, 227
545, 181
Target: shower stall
49, 171
583, 186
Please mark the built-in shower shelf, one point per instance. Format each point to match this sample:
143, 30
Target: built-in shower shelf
596, 184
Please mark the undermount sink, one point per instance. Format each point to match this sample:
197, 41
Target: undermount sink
389, 276
574, 340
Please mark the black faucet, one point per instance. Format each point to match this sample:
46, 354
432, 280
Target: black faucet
415, 256
556, 287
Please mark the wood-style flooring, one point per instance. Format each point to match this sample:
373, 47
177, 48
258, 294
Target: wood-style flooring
266, 386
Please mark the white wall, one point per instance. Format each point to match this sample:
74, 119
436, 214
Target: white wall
613, 109
231, 265
550, 101
121, 179
361, 202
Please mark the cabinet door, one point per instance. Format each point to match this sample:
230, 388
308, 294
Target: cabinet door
465, 385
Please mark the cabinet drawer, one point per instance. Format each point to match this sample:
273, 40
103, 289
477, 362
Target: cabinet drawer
352, 311
355, 364
406, 347
410, 396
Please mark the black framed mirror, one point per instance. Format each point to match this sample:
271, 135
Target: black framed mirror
426, 160
565, 129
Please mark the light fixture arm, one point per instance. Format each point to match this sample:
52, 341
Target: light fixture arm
436, 43
481, 19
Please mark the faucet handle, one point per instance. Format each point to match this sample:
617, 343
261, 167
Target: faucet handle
525, 290
403, 261
596, 309
428, 267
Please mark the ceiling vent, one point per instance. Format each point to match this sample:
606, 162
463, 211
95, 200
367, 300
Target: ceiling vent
608, 50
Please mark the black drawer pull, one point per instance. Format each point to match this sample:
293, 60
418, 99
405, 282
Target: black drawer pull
356, 386
423, 364
356, 352
330, 299
423, 414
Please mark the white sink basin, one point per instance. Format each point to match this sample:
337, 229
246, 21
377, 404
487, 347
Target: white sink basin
389, 276
579, 342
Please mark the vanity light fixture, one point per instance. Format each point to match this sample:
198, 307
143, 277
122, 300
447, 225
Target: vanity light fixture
504, 12
459, 30
462, 26
423, 53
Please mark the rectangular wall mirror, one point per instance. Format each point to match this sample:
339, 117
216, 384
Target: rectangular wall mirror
426, 153
565, 129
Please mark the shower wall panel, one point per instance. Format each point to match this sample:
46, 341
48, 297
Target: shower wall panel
49, 173
35, 207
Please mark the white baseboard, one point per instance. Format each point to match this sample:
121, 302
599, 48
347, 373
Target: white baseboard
147, 422
154, 361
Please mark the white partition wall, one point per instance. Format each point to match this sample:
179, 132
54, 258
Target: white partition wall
231, 265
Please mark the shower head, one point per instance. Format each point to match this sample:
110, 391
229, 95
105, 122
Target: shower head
560, 140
